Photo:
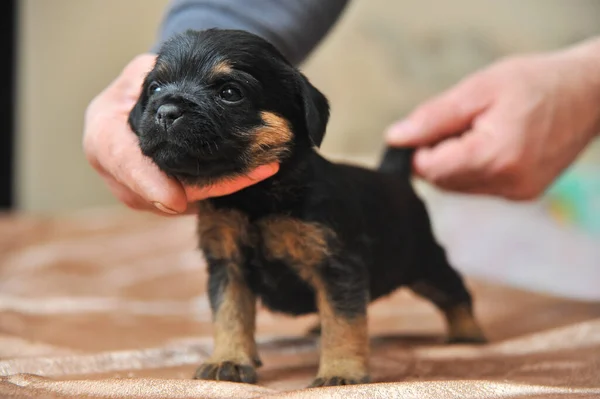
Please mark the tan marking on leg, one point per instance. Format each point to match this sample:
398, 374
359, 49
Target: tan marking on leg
462, 326
234, 325
461, 323
222, 233
344, 343
304, 246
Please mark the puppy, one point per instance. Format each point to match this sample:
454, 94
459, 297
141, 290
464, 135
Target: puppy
316, 237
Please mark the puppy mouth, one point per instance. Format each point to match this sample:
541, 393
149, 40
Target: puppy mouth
201, 167
205, 150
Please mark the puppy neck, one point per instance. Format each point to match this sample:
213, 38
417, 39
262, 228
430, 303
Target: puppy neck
284, 192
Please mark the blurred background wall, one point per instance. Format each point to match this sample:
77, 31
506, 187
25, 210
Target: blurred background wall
382, 59
69, 51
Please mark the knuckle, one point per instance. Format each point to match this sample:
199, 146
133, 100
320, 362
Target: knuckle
510, 165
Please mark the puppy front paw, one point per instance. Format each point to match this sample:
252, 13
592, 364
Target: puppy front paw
227, 371
337, 380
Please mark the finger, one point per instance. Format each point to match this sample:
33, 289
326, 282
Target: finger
456, 164
134, 201
125, 195
450, 113
115, 151
132, 169
230, 186
120, 182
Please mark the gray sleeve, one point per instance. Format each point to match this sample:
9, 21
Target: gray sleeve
295, 27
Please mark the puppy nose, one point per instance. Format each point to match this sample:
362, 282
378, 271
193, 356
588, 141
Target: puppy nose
167, 114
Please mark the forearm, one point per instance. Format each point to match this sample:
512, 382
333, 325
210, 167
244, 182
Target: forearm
587, 56
294, 27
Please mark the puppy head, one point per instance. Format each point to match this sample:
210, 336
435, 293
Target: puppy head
219, 103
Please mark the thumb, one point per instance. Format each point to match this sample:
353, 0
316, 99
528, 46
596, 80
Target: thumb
448, 114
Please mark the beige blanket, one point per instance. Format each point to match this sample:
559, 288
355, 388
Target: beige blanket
110, 304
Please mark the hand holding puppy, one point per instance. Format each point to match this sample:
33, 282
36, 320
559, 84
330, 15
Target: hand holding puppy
112, 149
523, 122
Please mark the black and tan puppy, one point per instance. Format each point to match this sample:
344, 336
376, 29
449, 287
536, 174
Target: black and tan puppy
316, 237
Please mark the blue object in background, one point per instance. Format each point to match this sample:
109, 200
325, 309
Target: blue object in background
574, 199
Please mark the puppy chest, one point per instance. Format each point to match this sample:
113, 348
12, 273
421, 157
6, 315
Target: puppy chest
301, 246
228, 235
286, 264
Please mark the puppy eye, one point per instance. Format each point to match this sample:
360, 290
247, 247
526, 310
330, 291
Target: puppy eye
153, 88
231, 94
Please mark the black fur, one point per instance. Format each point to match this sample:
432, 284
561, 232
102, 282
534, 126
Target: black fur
382, 234
183, 73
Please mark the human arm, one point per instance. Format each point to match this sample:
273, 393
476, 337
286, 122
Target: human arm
294, 27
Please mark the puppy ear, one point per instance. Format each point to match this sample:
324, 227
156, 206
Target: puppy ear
316, 111
137, 112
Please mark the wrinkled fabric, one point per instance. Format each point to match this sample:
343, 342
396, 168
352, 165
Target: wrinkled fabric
111, 304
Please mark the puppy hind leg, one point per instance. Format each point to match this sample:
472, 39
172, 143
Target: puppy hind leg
444, 287
314, 330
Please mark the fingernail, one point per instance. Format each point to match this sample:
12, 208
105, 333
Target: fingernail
402, 130
164, 209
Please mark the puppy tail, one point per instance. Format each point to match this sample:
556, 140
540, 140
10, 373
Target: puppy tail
398, 162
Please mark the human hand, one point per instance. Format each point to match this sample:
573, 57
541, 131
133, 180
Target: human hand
112, 149
510, 129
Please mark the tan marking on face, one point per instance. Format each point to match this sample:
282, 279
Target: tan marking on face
301, 244
270, 142
162, 68
344, 342
222, 68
